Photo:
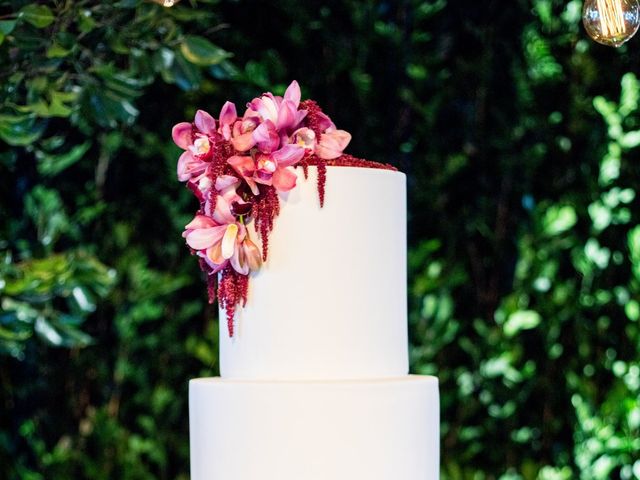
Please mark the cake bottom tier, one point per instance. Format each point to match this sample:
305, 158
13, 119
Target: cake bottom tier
317, 430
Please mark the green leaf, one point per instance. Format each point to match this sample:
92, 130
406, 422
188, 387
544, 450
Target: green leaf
45, 208
521, 320
600, 215
188, 15
61, 335
632, 309
39, 16
7, 26
57, 107
21, 336
53, 164
57, 51
633, 240
629, 94
47, 332
598, 255
200, 51
123, 85
19, 131
85, 22
83, 299
257, 73
22, 311
558, 219
604, 107
224, 71
630, 139
107, 108
183, 73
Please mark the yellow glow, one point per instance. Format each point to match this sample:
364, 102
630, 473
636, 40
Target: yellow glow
166, 3
611, 18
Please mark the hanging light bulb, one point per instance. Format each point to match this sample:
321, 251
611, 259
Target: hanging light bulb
611, 22
167, 3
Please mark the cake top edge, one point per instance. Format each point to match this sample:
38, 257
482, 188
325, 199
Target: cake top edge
223, 381
346, 160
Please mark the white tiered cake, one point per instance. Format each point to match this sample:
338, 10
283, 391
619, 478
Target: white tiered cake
314, 381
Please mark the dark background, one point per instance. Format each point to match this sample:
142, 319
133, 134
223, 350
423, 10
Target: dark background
520, 139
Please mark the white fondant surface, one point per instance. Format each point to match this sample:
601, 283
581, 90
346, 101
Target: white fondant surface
342, 430
330, 302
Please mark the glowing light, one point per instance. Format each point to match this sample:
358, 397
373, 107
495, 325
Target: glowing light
611, 22
166, 3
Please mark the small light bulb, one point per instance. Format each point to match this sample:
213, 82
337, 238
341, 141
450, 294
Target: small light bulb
611, 22
167, 3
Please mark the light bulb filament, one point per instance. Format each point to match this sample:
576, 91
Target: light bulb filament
611, 18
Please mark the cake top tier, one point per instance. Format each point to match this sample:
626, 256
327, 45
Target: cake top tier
331, 301
238, 167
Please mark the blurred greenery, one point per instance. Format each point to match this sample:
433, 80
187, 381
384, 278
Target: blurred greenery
521, 140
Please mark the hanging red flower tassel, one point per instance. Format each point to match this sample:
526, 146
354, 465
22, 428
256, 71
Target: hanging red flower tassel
232, 291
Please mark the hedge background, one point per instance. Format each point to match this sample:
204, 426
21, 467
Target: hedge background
521, 141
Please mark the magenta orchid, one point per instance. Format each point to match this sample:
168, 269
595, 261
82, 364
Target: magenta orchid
332, 143
304, 137
242, 139
266, 137
245, 166
195, 140
228, 116
281, 111
218, 236
274, 169
237, 167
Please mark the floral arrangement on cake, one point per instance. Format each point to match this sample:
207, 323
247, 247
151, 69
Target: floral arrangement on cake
236, 166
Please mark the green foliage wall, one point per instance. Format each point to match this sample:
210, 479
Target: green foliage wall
520, 140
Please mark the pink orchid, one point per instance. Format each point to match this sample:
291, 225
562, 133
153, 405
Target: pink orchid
204, 122
246, 168
227, 200
190, 167
274, 169
242, 139
247, 257
289, 117
332, 143
281, 111
218, 237
214, 241
293, 94
193, 138
266, 137
228, 116
304, 137
183, 133
266, 107
200, 186
324, 123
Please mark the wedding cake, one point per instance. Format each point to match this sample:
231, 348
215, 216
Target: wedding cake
314, 378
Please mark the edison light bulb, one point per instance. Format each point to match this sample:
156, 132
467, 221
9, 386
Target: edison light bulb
167, 3
611, 22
